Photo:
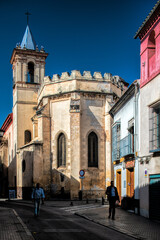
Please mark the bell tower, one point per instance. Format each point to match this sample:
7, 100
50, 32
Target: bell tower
28, 64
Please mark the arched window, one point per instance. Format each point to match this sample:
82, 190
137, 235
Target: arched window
30, 72
61, 150
27, 136
92, 150
151, 53
23, 165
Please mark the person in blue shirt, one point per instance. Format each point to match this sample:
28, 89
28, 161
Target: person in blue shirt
112, 194
37, 196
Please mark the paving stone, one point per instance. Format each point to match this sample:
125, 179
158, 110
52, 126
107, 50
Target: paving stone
127, 223
11, 226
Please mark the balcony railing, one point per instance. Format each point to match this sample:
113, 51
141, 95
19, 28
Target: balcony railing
123, 147
127, 145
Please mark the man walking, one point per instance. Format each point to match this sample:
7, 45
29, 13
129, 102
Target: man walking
37, 195
112, 194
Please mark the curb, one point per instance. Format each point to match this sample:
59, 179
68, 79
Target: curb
29, 234
110, 227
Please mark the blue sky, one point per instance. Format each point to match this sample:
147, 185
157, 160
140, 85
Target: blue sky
80, 35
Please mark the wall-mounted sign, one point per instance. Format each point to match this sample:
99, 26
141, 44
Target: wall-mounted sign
145, 172
81, 177
130, 164
81, 173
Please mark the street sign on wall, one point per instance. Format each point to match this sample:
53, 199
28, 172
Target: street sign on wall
81, 173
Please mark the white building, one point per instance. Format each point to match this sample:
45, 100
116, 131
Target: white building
125, 146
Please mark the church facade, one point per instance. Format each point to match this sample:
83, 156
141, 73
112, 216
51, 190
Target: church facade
59, 126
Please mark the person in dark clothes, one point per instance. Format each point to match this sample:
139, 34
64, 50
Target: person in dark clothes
112, 195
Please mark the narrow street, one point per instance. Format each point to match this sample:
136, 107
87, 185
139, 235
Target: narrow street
55, 222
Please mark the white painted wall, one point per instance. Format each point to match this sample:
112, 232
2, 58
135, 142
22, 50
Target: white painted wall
125, 114
150, 94
130, 110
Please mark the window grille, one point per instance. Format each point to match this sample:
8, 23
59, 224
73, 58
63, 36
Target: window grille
116, 142
154, 129
127, 145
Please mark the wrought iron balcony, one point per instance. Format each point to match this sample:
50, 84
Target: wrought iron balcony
123, 147
115, 154
127, 145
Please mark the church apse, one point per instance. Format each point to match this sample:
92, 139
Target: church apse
77, 106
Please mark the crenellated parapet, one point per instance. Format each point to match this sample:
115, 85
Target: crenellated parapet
97, 76
86, 82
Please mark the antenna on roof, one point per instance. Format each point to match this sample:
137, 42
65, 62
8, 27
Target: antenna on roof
27, 13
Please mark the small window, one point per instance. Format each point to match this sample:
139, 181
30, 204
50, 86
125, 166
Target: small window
23, 165
61, 150
131, 136
30, 76
92, 150
27, 137
151, 53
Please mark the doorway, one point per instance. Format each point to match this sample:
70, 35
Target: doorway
130, 182
154, 197
118, 183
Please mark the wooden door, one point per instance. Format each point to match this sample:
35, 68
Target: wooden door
118, 183
130, 182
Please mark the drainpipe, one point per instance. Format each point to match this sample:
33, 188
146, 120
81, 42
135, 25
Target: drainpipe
136, 117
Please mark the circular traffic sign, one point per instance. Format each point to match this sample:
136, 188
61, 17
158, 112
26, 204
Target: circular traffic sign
81, 173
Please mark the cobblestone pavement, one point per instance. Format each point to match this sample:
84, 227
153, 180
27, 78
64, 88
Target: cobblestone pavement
12, 227
125, 222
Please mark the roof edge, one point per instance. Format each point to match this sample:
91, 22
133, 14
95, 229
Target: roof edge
125, 96
147, 18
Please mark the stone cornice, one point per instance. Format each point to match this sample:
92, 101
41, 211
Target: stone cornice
83, 93
31, 144
28, 53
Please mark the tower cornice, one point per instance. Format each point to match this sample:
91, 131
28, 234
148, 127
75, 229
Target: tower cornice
28, 52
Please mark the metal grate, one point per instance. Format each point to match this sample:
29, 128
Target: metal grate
154, 129
116, 142
127, 145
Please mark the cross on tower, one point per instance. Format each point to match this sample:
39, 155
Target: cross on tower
27, 13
